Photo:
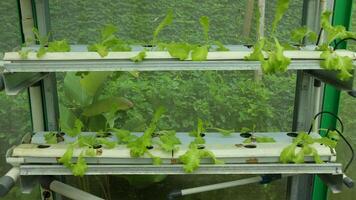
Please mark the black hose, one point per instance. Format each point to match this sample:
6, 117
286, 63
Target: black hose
326, 112
336, 43
351, 149
2, 84
340, 41
319, 37
339, 132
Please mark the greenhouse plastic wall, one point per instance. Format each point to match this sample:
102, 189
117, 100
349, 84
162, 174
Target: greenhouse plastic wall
79, 21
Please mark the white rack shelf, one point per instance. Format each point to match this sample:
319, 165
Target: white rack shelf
239, 159
154, 61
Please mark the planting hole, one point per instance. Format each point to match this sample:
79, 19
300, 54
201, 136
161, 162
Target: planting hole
300, 145
97, 146
201, 147
246, 135
149, 147
103, 135
292, 134
250, 146
43, 146
202, 134
148, 45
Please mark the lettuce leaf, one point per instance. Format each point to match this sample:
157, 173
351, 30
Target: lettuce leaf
342, 64
192, 157
200, 53
58, 46
179, 50
303, 32
51, 138
80, 167
139, 57
282, 7
276, 61
165, 22
257, 51
169, 141
204, 22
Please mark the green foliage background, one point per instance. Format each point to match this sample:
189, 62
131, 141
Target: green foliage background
137, 19
230, 100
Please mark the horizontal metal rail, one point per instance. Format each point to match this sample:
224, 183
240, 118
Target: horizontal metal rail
154, 61
157, 65
326, 168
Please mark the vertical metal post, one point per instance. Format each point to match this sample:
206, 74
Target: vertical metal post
261, 31
36, 106
307, 103
342, 16
50, 98
49, 84
262, 10
299, 186
27, 22
42, 16
34, 92
43, 95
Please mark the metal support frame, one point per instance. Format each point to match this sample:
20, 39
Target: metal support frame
299, 186
42, 95
48, 85
34, 92
307, 102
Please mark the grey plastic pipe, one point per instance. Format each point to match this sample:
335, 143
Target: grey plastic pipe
179, 193
218, 186
71, 192
9, 180
63, 189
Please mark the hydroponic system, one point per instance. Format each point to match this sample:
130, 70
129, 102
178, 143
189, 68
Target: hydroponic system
85, 139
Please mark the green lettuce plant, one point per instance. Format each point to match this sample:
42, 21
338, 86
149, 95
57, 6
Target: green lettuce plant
302, 146
109, 42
